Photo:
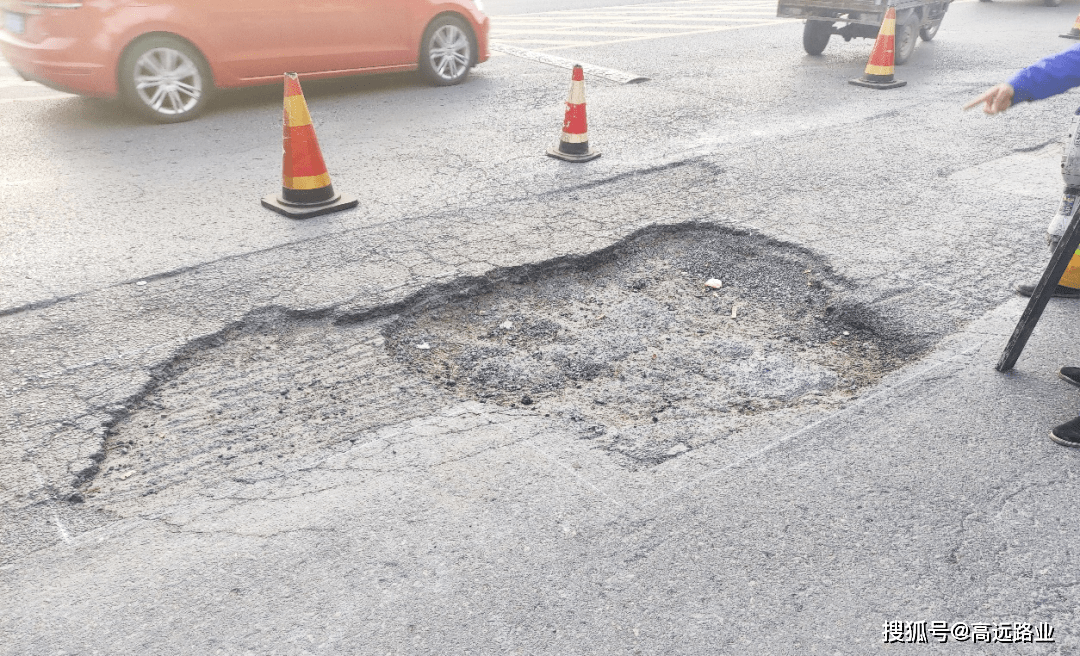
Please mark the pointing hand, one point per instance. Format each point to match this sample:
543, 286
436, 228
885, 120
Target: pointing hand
997, 99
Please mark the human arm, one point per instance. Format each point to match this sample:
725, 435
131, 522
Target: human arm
1049, 77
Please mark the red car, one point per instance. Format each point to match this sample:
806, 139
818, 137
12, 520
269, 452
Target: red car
165, 57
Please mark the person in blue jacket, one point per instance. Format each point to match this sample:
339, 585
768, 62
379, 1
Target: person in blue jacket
1049, 77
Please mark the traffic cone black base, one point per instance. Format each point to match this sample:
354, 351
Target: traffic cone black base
342, 202
590, 154
1074, 33
870, 84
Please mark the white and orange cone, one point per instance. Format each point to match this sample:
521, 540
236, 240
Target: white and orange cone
574, 142
305, 184
879, 70
1074, 33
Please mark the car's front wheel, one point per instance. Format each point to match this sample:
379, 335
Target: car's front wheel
448, 51
165, 79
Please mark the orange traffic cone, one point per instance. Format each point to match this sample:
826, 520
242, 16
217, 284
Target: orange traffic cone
305, 185
574, 142
1074, 33
879, 70
1071, 277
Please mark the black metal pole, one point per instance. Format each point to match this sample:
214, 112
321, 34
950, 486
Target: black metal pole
1059, 261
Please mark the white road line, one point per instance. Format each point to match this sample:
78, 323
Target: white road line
697, 15
644, 30
577, 28
650, 37
622, 77
17, 82
4, 101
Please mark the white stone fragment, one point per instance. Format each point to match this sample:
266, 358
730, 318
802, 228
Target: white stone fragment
423, 346
714, 283
506, 325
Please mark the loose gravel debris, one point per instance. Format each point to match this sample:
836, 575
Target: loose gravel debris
647, 357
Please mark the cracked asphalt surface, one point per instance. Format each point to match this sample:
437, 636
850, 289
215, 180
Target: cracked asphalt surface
248, 454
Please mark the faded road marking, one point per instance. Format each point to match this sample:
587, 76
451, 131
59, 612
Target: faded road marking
578, 28
622, 77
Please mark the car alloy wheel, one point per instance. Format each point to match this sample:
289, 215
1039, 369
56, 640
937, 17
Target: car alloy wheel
167, 81
448, 51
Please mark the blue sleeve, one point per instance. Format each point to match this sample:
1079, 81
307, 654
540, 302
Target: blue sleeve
1051, 76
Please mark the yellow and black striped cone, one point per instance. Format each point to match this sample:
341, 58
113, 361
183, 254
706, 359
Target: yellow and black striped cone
1074, 33
879, 70
305, 184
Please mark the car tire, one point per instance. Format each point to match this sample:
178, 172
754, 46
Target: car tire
907, 35
447, 51
165, 79
815, 36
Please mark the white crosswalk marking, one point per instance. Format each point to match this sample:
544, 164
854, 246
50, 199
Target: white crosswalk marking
577, 28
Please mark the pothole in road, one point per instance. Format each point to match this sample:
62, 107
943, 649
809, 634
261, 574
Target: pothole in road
628, 346
645, 358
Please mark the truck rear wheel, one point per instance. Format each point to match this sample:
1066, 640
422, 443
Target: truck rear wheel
815, 36
907, 35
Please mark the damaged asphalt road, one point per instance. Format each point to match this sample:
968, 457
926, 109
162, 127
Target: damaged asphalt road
521, 422
266, 451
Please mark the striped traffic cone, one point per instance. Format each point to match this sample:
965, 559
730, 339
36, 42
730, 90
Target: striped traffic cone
574, 142
305, 185
879, 70
1074, 33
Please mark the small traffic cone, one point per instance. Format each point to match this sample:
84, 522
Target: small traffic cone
879, 70
1074, 33
574, 142
305, 185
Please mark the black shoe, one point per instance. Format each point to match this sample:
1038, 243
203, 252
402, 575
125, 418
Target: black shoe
1061, 291
1067, 433
1071, 374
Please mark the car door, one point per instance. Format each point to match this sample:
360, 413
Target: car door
356, 34
252, 38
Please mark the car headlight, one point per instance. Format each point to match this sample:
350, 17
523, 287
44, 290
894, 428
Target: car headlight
479, 4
